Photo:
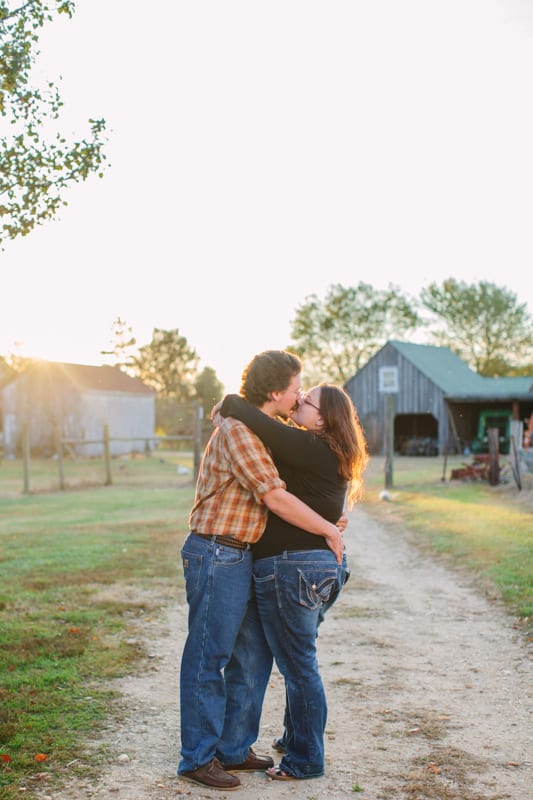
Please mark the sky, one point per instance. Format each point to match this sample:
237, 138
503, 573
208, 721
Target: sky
260, 152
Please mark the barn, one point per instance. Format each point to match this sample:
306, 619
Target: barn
433, 398
78, 400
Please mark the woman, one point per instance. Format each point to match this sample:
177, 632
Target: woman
296, 575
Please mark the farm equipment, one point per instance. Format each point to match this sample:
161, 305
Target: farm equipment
420, 446
478, 470
500, 419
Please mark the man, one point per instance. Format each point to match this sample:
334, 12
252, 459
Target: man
226, 662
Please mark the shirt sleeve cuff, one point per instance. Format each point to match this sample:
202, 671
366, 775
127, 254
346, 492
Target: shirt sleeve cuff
265, 488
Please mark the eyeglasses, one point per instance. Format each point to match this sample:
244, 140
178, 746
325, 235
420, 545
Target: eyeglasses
309, 403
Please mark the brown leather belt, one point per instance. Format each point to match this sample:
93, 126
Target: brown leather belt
228, 541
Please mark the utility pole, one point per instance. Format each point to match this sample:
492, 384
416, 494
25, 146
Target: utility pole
389, 439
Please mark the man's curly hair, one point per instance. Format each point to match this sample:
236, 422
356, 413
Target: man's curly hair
270, 371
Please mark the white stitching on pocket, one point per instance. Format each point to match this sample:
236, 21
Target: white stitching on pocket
315, 586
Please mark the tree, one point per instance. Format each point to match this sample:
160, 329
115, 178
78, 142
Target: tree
122, 345
168, 364
336, 336
524, 370
483, 323
6, 371
209, 390
36, 162
14, 362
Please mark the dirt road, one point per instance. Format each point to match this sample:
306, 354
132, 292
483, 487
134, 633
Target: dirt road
429, 687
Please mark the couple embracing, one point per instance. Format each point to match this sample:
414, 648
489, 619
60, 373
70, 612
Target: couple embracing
263, 561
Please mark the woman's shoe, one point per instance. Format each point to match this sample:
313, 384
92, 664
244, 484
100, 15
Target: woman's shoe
277, 745
278, 774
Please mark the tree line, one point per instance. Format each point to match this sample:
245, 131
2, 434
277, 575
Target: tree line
484, 324
336, 335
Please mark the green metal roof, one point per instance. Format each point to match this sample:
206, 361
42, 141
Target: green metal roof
447, 371
509, 386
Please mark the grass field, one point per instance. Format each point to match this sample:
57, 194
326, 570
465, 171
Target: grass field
80, 568
488, 530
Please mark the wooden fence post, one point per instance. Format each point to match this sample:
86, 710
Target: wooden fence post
59, 453
198, 417
494, 451
107, 457
26, 456
515, 464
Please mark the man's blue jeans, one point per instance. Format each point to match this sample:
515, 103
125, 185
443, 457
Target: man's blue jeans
226, 662
293, 590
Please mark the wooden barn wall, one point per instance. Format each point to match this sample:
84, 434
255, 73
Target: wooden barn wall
416, 395
126, 414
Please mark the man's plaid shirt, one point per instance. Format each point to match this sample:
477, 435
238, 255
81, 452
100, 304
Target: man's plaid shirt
235, 474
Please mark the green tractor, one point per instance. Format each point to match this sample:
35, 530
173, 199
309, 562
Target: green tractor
500, 419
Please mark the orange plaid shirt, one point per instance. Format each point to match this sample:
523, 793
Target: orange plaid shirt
235, 474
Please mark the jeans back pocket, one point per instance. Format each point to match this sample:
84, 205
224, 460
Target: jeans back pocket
315, 585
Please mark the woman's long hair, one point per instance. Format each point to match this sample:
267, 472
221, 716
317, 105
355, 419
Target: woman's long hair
344, 435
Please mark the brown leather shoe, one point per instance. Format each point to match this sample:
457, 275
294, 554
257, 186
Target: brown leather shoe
253, 763
213, 775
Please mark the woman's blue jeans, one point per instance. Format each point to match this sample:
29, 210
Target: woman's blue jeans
293, 590
226, 662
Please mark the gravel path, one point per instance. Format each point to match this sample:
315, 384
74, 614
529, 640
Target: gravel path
429, 686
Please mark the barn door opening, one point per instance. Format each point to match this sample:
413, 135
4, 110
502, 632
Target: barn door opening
416, 435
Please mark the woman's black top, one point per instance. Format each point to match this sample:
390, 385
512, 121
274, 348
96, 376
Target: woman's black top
309, 469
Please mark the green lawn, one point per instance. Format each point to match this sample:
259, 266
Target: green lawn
78, 569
